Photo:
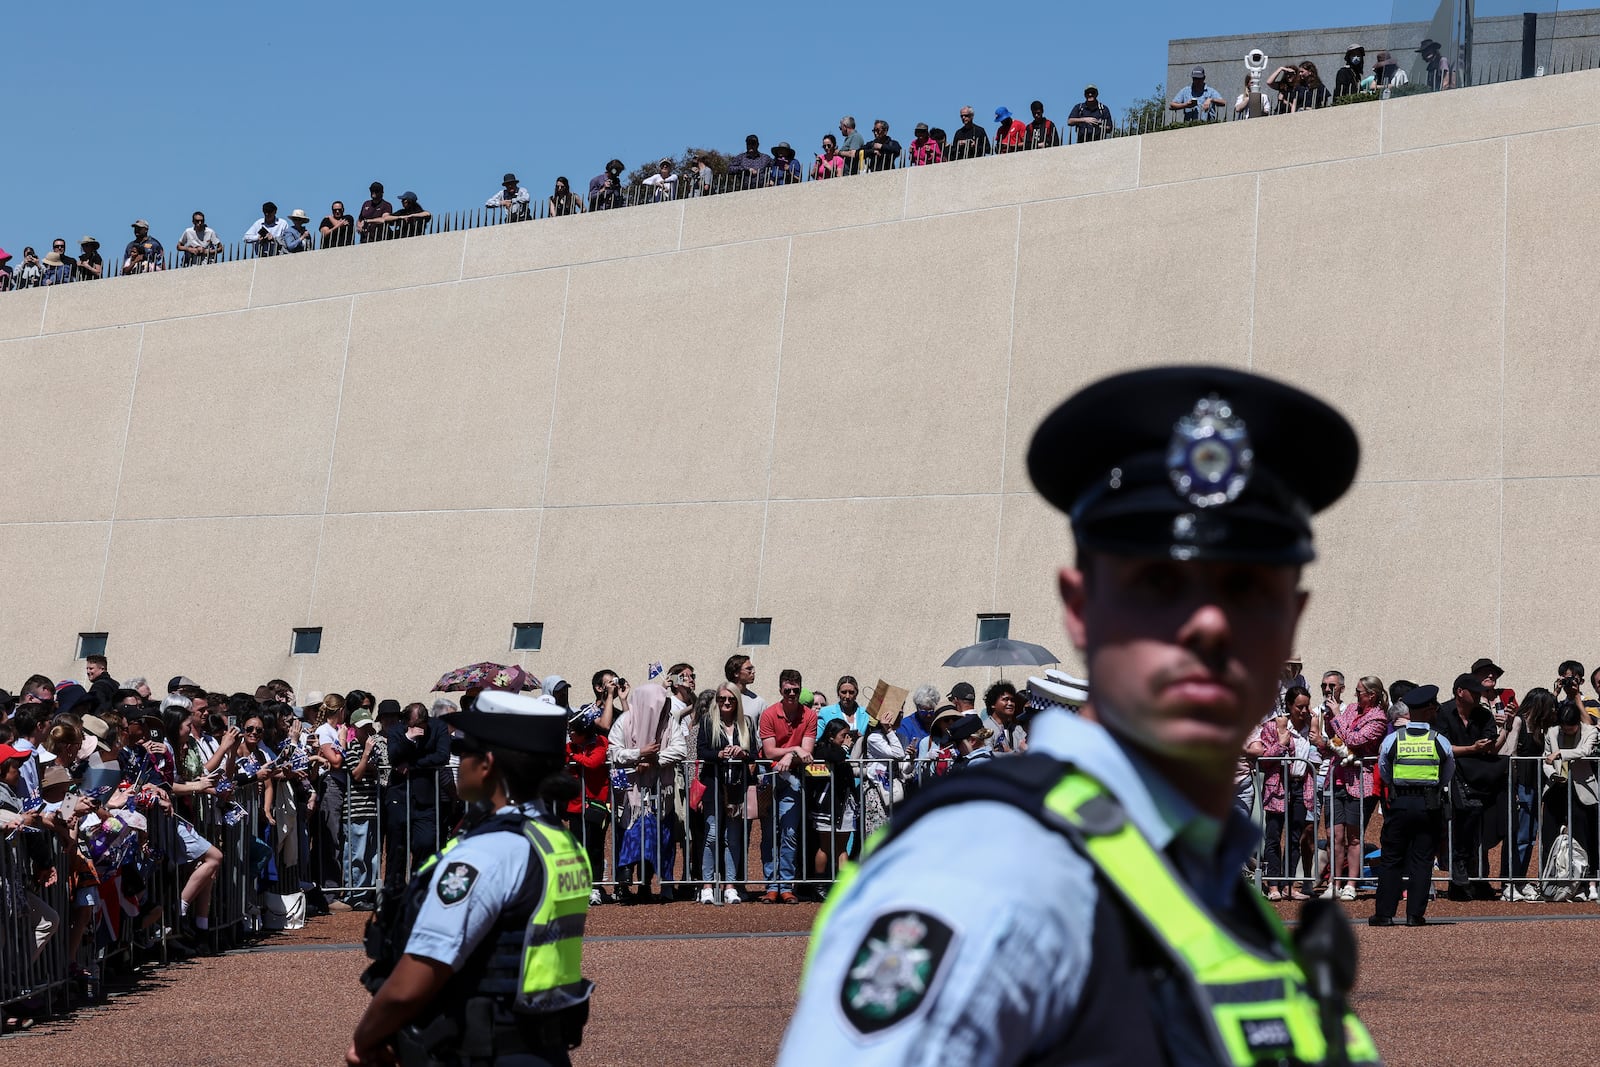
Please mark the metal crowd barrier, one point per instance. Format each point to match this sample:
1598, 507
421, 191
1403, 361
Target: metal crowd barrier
1524, 843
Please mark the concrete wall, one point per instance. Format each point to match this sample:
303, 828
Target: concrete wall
813, 404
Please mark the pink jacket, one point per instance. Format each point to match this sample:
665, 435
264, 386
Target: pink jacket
1273, 760
925, 152
1363, 733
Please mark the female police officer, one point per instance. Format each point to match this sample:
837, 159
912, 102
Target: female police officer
478, 963
1093, 910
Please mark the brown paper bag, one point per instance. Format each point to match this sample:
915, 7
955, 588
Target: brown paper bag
887, 701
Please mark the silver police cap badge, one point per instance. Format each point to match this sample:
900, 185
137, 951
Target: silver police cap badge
1209, 457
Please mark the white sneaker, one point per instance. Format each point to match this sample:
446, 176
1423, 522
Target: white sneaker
731, 895
595, 899
1326, 894
1508, 893
1347, 892
707, 896
1530, 893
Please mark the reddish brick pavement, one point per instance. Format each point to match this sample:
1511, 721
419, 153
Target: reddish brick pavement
1526, 983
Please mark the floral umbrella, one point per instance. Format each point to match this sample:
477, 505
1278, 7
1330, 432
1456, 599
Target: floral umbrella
512, 679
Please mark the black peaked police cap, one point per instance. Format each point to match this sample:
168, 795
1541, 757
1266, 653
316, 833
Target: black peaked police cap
1194, 463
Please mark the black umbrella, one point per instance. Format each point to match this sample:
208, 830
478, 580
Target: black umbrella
1001, 652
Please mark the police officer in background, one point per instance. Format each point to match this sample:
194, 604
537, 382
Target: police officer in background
1092, 909
1416, 767
479, 961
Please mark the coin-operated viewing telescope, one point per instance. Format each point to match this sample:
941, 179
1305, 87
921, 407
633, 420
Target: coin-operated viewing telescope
1255, 62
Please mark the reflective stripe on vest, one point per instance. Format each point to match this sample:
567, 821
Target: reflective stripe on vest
552, 953
1257, 1005
1416, 759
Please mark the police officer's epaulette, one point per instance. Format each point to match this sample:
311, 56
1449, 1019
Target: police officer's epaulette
1022, 781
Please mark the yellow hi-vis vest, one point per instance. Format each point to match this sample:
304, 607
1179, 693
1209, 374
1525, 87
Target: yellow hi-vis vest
1416, 759
1256, 1006
552, 952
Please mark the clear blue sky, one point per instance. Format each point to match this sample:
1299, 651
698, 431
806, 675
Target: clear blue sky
116, 111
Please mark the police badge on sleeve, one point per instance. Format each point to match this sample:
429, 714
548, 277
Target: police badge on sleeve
893, 970
455, 882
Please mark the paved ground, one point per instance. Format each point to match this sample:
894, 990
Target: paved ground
1523, 971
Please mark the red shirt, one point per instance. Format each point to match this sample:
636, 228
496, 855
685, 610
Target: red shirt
775, 724
592, 771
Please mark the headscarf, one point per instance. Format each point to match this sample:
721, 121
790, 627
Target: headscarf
647, 717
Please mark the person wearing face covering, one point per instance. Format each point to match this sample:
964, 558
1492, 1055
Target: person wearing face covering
646, 747
1347, 82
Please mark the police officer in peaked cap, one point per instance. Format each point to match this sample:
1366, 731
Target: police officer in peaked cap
1082, 903
479, 961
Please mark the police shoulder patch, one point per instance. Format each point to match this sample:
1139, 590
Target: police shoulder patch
455, 882
893, 969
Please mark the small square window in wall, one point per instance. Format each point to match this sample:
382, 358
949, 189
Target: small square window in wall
755, 631
91, 645
993, 627
307, 641
527, 636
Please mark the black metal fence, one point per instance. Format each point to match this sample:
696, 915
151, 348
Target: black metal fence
690, 185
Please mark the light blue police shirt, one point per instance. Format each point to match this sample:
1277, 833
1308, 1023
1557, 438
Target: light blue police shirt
1019, 902
467, 890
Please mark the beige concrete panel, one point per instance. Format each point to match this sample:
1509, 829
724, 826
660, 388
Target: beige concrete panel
215, 599
61, 461
1552, 328
622, 587
761, 213
1381, 342
22, 313
1549, 579
1104, 284
191, 452
1503, 109
907, 349
587, 238
147, 297
402, 599
430, 422
1407, 585
51, 574
1035, 543
1345, 132
1022, 177
875, 588
667, 375
424, 260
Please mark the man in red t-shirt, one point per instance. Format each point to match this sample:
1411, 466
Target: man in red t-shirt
787, 731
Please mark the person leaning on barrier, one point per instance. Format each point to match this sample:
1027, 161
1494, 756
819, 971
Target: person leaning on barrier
296, 237
479, 961
198, 244
1090, 117
265, 235
1571, 795
970, 141
1416, 765
1081, 902
512, 199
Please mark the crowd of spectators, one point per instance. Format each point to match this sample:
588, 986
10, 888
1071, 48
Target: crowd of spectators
1291, 87
682, 786
1524, 783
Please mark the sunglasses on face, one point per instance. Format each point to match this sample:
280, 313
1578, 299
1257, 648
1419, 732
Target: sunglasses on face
789, 692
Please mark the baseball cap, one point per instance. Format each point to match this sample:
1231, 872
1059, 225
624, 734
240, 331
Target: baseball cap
962, 691
1198, 72
177, 682
1469, 683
